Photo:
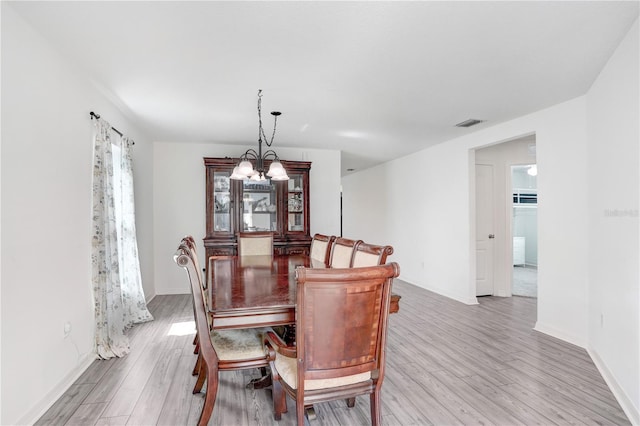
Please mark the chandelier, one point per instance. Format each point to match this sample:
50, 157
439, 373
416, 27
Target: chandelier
245, 170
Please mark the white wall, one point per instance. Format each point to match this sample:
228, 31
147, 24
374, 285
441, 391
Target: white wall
588, 264
46, 219
614, 253
179, 199
429, 217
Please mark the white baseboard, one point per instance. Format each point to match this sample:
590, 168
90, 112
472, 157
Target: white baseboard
172, 290
625, 402
49, 399
559, 334
466, 299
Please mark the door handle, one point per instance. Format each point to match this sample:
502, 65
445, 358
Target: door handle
492, 236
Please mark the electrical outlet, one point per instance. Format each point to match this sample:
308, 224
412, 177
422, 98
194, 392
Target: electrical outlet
67, 329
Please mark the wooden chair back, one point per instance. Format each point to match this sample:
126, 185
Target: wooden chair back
341, 328
370, 255
255, 244
321, 247
342, 252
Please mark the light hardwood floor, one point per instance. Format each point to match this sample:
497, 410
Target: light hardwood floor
447, 364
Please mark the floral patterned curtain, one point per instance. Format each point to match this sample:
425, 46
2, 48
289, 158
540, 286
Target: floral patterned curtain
117, 287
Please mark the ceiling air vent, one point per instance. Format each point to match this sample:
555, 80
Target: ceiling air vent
468, 123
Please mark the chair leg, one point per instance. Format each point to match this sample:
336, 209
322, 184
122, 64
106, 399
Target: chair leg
300, 411
202, 376
351, 402
279, 399
376, 415
210, 396
196, 368
197, 348
195, 339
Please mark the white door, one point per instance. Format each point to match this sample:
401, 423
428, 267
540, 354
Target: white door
484, 229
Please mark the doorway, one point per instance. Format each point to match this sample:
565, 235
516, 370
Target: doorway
524, 222
494, 268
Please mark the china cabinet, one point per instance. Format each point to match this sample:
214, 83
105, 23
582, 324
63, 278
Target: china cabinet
233, 206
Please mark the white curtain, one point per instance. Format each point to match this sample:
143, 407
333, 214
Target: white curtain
117, 286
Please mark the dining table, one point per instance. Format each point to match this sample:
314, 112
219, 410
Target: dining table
257, 291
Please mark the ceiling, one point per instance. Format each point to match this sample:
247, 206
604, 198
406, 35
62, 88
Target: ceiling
375, 80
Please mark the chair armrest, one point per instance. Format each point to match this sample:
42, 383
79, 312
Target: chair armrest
274, 343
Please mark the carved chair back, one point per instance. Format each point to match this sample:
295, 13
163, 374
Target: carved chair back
370, 255
341, 328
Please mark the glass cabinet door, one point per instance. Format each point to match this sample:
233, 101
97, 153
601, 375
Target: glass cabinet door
259, 211
295, 203
222, 201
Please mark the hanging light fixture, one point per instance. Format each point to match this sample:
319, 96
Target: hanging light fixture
246, 170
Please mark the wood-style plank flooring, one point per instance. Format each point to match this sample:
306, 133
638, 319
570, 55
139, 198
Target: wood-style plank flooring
447, 364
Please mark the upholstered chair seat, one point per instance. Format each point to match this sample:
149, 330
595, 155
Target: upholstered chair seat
288, 370
233, 345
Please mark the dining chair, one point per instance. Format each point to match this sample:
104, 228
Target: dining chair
255, 243
341, 329
342, 252
321, 247
220, 350
370, 255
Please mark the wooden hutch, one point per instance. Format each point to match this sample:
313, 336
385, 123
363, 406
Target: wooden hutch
234, 206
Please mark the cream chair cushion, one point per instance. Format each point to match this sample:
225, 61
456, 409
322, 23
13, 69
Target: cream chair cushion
319, 249
231, 345
287, 367
256, 246
341, 256
361, 259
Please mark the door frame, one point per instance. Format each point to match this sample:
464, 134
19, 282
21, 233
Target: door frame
503, 244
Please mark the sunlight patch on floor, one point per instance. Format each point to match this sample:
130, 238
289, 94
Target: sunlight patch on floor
182, 328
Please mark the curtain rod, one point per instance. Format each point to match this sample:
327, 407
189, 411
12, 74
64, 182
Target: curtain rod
96, 116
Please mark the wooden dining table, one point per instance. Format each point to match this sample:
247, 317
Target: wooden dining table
257, 291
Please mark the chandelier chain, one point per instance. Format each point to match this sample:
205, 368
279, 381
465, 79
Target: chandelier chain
261, 135
245, 170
